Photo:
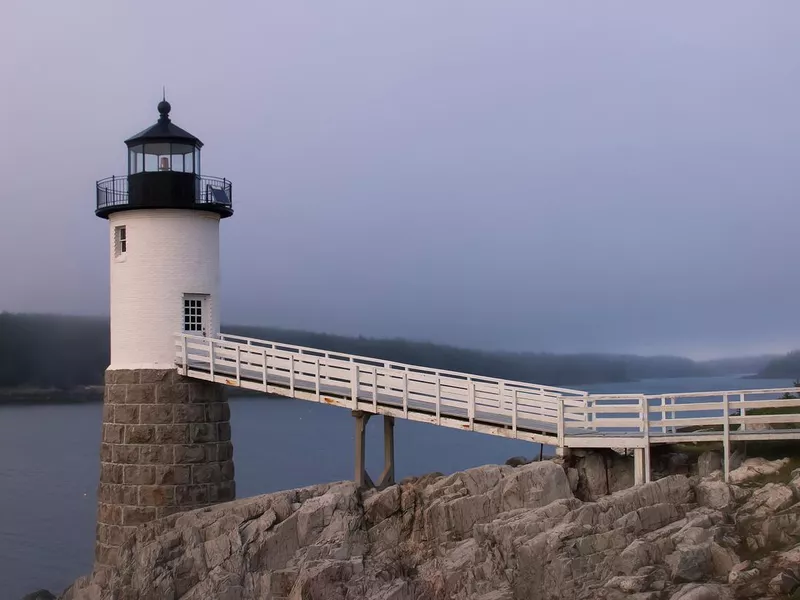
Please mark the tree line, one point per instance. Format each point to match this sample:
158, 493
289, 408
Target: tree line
62, 352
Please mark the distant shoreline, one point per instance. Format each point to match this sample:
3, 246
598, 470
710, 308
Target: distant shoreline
83, 394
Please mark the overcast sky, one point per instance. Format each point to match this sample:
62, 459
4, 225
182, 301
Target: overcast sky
562, 176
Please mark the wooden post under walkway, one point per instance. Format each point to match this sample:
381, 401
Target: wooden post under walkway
362, 478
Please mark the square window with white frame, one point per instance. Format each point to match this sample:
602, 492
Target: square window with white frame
120, 241
193, 315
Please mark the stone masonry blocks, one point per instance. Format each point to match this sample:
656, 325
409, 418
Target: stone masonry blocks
165, 448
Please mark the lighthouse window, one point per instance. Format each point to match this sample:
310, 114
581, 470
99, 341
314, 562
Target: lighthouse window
120, 241
193, 315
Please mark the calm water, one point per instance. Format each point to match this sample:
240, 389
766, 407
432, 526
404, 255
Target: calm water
49, 467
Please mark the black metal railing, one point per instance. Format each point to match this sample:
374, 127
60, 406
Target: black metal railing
208, 191
112, 192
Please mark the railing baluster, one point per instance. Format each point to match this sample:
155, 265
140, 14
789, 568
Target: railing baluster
291, 375
185, 358
514, 413
438, 399
644, 406
238, 365
354, 384
471, 405
742, 412
211, 357
405, 393
317, 384
375, 389
264, 368
726, 436
560, 430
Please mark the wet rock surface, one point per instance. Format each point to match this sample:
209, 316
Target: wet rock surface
490, 533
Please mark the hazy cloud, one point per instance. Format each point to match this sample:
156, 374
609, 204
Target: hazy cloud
562, 176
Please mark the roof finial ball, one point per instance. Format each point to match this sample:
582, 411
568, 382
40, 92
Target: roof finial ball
163, 109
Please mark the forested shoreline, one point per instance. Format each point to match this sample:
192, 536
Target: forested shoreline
62, 353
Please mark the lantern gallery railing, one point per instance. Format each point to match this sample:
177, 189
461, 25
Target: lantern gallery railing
565, 418
113, 192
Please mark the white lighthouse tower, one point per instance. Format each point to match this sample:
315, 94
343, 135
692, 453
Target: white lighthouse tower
164, 235
166, 439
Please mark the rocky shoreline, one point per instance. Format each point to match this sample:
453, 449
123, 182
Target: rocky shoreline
490, 533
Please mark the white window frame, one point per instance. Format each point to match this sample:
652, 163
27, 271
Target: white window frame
120, 242
195, 314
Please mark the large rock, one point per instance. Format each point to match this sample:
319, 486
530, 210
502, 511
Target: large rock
769, 499
708, 463
707, 591
490, 533
39, 595
600, 473
716, 494
753, 468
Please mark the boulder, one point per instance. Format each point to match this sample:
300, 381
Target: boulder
768, 499
690, 563
709, 462
753, 468
516, 461
715, 494
39, 595
630, 584
742, 572
705, 591
784, 583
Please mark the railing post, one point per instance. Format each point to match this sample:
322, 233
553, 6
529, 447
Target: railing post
405, 393
471, 405
672, 412
185, 359
375, 389
264, 368
316, 378
501, 391
354, 384
291, 375
438, 399
664, 414
742, 412
644, 404
238, 365
560, 431
211, 357
726, 437
514, 413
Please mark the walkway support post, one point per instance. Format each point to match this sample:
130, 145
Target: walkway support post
726, 437
362, 478
387, 477
638, 466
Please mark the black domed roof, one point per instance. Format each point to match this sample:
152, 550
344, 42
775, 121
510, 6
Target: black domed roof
164, 131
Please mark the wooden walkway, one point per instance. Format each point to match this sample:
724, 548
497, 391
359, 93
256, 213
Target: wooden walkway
562, 417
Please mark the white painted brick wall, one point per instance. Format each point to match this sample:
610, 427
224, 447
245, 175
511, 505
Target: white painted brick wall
170, 253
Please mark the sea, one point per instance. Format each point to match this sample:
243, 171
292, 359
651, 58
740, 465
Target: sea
49, 461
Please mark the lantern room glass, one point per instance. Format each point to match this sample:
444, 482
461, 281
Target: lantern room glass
163, 156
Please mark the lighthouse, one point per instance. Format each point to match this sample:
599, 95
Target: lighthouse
166, 439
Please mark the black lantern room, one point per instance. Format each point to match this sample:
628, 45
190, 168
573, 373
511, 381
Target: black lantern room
164, 172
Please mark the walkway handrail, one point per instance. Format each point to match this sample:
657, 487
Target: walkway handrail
517, 409
400, 366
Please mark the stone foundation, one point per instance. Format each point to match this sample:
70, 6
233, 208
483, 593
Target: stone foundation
166, 448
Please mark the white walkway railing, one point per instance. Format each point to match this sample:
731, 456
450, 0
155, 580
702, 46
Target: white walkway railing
562, 417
